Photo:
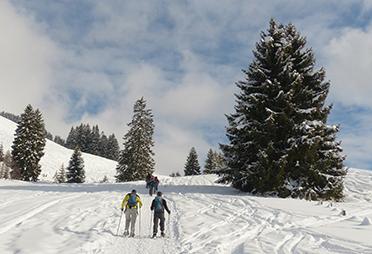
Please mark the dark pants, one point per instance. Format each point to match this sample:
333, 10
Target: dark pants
159, 217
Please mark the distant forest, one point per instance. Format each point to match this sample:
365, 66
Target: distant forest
88, 139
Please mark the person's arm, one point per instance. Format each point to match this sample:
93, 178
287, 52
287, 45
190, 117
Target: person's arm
152, 205
166, 206
124, 202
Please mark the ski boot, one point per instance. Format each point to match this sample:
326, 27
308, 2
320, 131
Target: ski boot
162, 234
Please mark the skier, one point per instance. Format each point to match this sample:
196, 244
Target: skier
156, 183
158, 205
131, 202
152, 183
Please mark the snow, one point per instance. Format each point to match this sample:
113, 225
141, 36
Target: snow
206, 218
95, 167
366, 221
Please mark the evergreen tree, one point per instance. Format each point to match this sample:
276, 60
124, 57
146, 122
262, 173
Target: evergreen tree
104, 180
210, 163
280, 142
48, 135
28, 145
103, 145
71, 141
1, 153
219, 162
4, 171
75, 170
112, 151
135, 160
60, 175
60, 141
94, 142
192, 166
8, 161
177, 174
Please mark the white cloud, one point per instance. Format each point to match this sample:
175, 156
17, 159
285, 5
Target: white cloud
349, 66
26, 59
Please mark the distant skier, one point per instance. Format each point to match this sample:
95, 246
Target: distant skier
130, 205
152, 183
158, 205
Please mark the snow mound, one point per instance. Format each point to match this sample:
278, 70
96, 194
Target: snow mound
55, 155
366, 222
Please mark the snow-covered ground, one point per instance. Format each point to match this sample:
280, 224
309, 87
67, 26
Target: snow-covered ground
55, 155
206, 218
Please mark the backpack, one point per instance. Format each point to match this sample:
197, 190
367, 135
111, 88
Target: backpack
132, 201
158, 203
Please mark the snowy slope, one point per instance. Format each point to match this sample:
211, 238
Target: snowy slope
96, 167
206, 218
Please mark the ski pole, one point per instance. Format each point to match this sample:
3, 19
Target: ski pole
169, 223
151, 221
121, 215
139, 230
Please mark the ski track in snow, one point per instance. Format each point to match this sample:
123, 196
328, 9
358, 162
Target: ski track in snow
206, 218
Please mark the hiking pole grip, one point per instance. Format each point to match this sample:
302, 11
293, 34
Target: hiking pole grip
121, 215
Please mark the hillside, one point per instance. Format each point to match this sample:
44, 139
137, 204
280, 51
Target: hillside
96, 167
206, 218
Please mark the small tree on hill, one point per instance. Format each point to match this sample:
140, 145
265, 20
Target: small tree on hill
60, 176
192, 166
75, 169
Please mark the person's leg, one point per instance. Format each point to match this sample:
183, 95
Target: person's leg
162, 222
156, 223
133, 221
127, 221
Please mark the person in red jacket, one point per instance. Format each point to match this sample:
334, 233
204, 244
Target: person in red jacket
159, 206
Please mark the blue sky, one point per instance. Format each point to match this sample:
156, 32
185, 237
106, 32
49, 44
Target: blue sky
90, 60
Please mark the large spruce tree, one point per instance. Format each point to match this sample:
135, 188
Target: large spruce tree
136, 159
28, 145
192, 166
75, 170
280, 142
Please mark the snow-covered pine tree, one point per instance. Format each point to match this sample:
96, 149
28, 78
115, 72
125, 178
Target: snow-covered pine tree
104, 180
71, 139
75, 170
280, 142
4, 171
210, 163
8, 160
28, 145
94, 142
60, 176
1, 153
136, 159
59, 140
192, 166
103, 145
112, 148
